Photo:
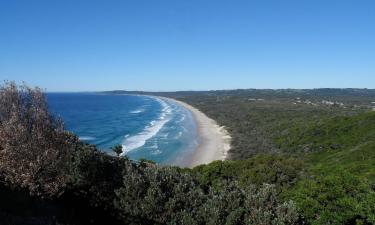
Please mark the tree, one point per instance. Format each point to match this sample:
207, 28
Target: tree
118, 150
168, 195
338, 198
34, 147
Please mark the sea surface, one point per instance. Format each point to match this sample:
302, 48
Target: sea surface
147, 127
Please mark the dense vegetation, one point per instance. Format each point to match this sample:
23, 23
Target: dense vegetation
298, 157
329, 175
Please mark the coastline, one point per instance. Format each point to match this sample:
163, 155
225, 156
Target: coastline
214, 142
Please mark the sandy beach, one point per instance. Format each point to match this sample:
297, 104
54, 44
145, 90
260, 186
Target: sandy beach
214, 142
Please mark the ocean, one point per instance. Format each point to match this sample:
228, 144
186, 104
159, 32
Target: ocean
147, 127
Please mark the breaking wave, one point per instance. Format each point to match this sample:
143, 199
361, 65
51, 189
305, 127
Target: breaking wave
86, 138
136, 141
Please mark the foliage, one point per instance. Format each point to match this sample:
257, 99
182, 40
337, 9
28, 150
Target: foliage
282, 171
117, 149
254, 125
340, 198
166, 196
144, 193
341, 157
341, 143
94, 175
330, 134
34, 147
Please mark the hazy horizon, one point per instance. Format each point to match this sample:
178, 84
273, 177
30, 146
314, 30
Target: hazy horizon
99, 91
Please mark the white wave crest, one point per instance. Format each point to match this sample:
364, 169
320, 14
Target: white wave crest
133, 142
179, 135
137, 111
86, 138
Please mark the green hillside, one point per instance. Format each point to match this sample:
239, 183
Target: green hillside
327, 168
335, 144
340, 154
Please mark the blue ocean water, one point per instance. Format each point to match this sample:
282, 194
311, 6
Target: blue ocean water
147, 127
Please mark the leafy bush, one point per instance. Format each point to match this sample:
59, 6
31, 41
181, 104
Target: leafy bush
340, 198
34, 147
167, 196
93, 175
282, 171
330, 134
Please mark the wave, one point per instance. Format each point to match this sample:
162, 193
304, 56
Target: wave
86, 138
137, 111
133, 142
179, 135
156, 152
182, 118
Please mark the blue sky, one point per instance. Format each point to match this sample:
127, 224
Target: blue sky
74, 45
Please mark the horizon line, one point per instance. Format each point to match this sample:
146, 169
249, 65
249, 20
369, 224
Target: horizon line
211, 90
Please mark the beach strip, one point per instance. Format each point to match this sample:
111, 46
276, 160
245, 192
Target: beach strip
214, 140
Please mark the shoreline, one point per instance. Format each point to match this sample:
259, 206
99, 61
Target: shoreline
214, 140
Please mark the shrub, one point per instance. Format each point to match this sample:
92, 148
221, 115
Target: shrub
117, 150
283, 171
340, 198
34, 147
168, 196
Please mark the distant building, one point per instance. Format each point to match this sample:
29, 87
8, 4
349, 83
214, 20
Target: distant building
255, 99
325, 102
339, 103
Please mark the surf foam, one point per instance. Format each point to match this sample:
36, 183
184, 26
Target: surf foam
137, 111
134, 142
86, 138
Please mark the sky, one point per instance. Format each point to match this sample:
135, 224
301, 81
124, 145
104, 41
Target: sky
169, 45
